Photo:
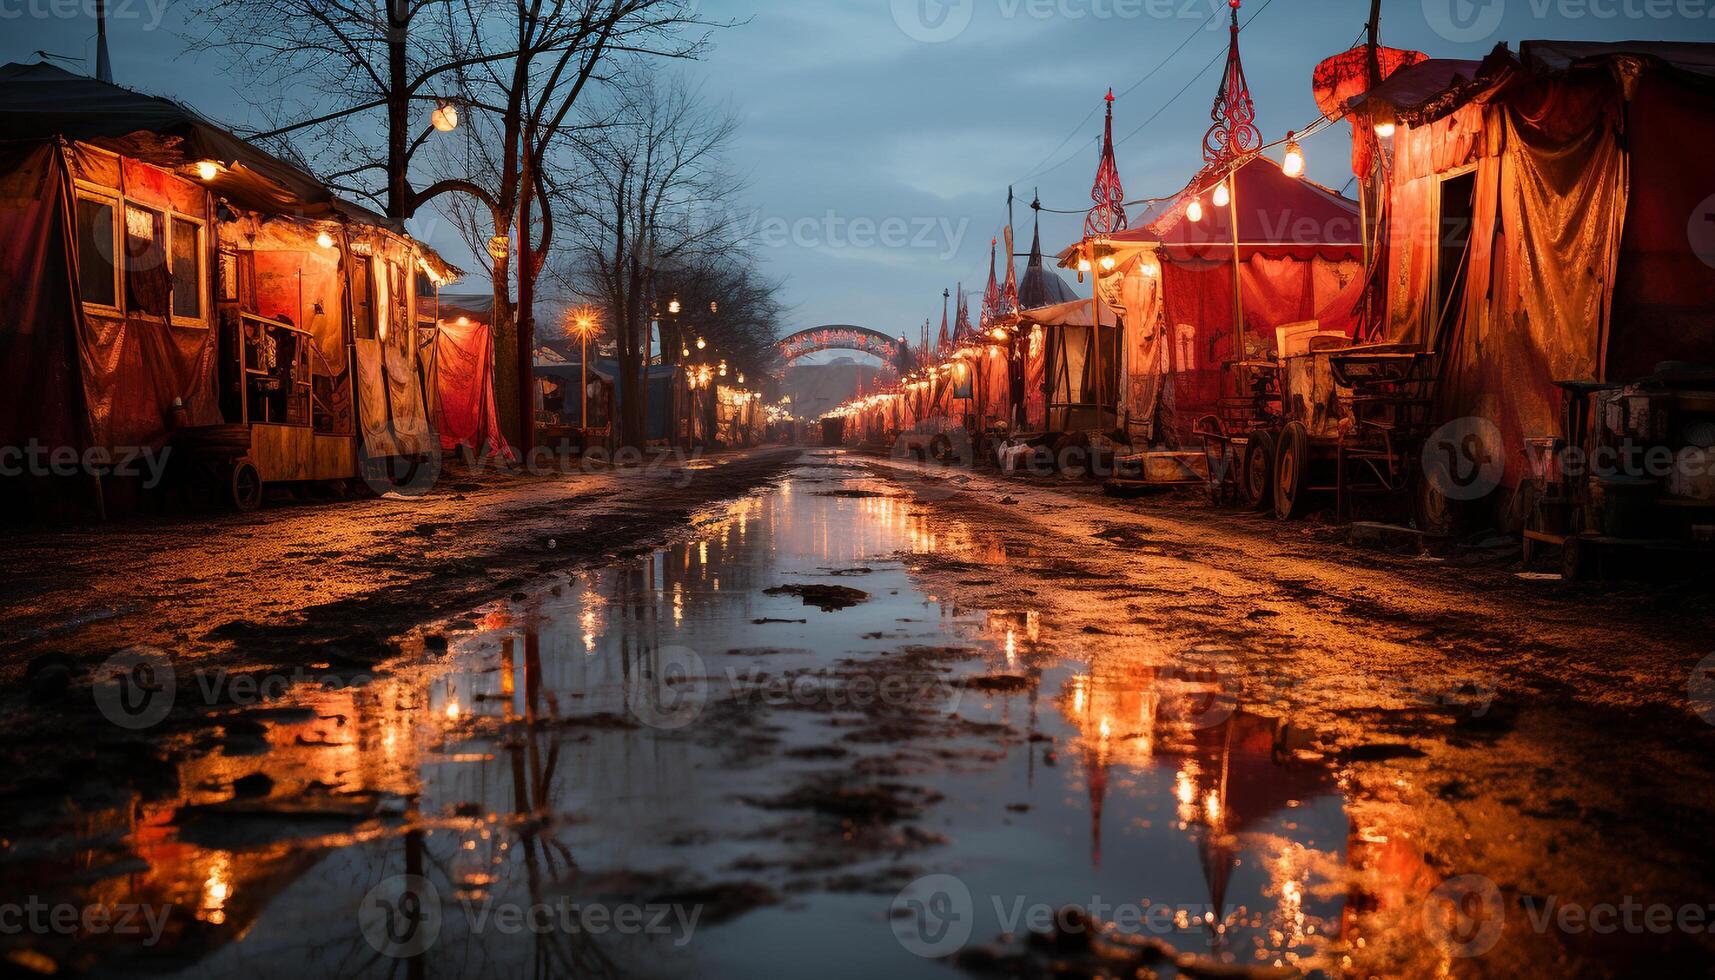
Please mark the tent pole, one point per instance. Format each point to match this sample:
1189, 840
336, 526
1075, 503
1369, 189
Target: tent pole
1238, 293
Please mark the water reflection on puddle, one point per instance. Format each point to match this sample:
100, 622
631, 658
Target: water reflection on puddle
662, 737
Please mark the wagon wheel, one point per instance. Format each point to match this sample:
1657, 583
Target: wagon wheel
244, 487
1292, 463
1259, 470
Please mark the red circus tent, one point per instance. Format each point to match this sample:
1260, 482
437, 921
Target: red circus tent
1300, 250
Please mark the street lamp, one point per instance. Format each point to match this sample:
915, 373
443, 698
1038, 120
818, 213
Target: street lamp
583, 321
445, 117
673, 306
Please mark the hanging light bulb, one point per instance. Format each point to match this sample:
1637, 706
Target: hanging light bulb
684, 351
445, 117
208, 169
1150, 266
1293, 164
1083, 265
1108, 263
325, 240
741, 377
1223, 197
701, 343
1195, 211
673, 306
723, 368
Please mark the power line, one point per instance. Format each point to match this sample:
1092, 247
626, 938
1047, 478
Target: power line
1163, 63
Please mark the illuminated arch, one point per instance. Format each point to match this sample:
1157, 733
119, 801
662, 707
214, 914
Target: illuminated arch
840, 336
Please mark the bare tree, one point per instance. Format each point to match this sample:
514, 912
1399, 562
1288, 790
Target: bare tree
653, 194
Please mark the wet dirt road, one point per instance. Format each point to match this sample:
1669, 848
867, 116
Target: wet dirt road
866, 720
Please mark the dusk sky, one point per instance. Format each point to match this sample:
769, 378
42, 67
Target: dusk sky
879, 136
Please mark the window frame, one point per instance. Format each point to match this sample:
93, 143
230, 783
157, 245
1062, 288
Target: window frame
119, 202
201, 226
84, 190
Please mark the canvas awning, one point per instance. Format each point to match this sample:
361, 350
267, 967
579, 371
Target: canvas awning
1073, 314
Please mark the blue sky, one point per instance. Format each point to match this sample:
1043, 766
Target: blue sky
878, 137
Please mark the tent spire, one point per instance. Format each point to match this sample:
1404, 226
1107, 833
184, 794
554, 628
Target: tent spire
1035, 261
1108, 215
991, 295
1234, 131
962, 318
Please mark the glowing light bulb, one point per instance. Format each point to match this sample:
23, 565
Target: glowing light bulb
208, 169
701, 343
1083, 265
1223, 197
1293, 164
445, 117
1195, 211
1385, 130
325, 240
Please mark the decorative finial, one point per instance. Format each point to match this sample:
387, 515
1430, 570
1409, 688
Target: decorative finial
1110, 97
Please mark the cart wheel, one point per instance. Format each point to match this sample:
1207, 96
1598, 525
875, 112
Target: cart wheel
1292, 461
1572, 563
244, 487
1259, 470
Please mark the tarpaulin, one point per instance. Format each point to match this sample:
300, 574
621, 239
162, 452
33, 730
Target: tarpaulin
463, 384
1664, 296
1545, 245
37, 360
134, 365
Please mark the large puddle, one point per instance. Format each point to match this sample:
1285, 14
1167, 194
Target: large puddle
662, 768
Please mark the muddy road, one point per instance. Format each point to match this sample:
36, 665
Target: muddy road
814, 713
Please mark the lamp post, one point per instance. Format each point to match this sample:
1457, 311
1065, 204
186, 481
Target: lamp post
583, 323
